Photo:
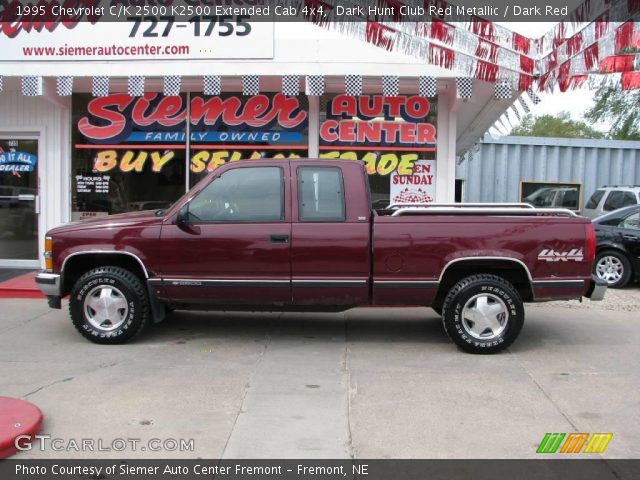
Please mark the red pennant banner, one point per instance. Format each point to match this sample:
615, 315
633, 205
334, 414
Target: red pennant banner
630, 80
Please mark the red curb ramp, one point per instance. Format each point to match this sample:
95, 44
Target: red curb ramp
23, 286
17, 418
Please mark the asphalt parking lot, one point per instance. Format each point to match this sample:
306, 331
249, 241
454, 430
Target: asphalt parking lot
370, 383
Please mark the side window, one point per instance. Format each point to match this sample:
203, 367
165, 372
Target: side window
613, 201
628, 199
632, 221
241, 195
594, 200
320, 194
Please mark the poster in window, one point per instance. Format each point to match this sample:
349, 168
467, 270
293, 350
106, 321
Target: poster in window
393, 136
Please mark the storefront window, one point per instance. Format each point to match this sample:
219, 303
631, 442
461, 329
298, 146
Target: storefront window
128, 153
131, 153
551, 194
394, 136
18, 196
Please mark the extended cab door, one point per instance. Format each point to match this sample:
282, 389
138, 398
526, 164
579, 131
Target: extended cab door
234, 248
330, 250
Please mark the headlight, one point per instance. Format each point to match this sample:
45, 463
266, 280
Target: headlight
48, 254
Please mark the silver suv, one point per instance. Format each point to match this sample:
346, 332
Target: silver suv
607, 199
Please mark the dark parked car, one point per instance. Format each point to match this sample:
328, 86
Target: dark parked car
618, 246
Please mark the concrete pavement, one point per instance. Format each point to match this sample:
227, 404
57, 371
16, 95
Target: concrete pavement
370, 383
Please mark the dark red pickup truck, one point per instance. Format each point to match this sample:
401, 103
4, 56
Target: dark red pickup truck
301, 235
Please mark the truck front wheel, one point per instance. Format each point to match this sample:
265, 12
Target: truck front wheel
109, 305
483, 314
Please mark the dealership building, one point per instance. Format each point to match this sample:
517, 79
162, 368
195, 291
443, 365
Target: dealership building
100, 118
95, 155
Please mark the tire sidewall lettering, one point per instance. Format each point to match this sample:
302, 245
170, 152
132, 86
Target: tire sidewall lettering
106, 280
461, 294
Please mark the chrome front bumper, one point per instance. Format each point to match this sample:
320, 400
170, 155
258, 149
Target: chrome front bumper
49, 284
597, 289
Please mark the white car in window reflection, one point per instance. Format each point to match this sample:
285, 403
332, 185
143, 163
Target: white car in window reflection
560, 197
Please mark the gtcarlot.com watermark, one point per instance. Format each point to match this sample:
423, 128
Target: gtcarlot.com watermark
46, 442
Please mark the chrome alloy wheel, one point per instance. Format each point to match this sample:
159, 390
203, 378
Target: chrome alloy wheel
485, 316
106, 308
610, 269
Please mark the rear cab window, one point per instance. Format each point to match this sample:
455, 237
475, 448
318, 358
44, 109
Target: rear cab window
320, 194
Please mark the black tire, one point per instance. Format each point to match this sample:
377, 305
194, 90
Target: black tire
496, 291
623, 262
122, 288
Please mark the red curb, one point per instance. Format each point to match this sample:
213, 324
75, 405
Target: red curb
17, 419
23, 286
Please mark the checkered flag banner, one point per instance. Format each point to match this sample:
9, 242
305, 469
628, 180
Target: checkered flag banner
64, 86
1, 83
427, 86
100, 86
291, 85
171, 87
534, 98
250, 85
515, 111
412, 196
503, 89
390, 85
135, 86
524, 104
353, 85
464, 87
314, 85
212, 85
31, 86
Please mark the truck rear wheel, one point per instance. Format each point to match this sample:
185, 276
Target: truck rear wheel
483, 314
109, 305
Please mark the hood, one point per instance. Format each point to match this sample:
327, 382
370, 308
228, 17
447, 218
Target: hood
133, 219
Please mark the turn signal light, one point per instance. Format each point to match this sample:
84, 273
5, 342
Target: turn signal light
590, 244
48, 254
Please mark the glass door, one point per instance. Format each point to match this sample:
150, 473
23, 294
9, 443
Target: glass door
18, 201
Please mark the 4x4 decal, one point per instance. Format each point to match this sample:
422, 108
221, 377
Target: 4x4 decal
550, 255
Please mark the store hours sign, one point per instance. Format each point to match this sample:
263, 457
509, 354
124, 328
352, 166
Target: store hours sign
34, 37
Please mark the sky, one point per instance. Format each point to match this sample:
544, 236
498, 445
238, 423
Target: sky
576, 102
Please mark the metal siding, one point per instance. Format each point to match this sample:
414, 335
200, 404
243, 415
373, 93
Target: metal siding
495, 173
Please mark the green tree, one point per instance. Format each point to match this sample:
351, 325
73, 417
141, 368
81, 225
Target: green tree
621, 108
555, 126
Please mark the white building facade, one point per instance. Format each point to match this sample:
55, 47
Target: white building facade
74, 144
